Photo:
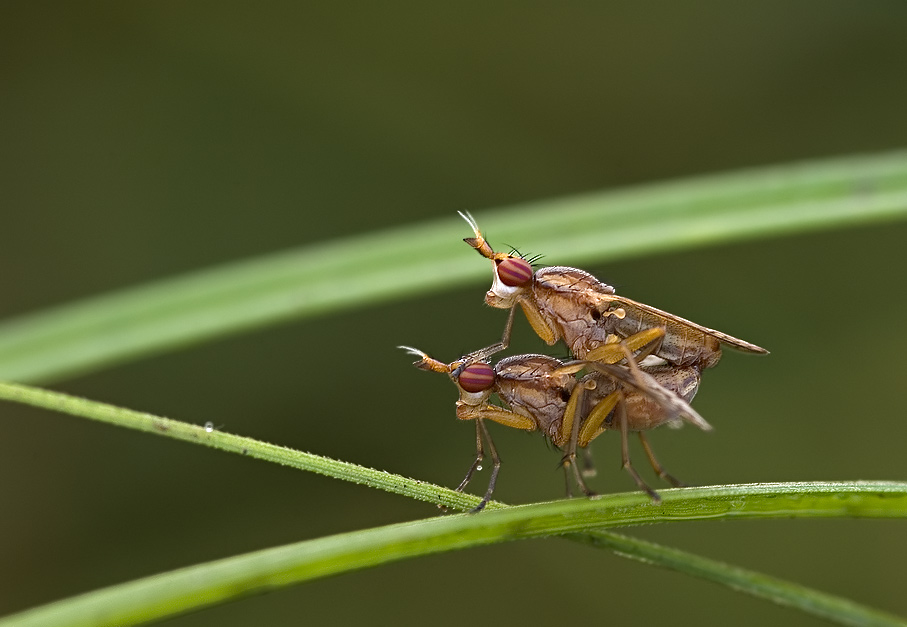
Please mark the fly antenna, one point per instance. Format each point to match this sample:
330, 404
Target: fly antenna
413, 351
471, 221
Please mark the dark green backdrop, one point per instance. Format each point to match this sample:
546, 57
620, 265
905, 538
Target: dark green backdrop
139, 141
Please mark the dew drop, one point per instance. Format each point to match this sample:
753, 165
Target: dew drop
479, 467
209, 427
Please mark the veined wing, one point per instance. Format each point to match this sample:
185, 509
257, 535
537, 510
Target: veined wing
669, 318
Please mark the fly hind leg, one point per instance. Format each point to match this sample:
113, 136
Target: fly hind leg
646, 342
484, 353
657, 466
625, 452
571, 425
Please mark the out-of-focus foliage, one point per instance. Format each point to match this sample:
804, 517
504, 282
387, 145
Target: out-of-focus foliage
142, 141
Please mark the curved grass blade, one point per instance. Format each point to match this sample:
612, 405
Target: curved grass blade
366, 269
192, 588
834, 609
199, 586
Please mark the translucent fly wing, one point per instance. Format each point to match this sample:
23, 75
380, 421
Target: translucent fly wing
644, 383
654, 312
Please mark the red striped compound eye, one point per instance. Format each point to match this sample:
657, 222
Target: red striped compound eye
476, 377
514, 271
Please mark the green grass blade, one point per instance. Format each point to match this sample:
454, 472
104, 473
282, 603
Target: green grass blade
637, 507
366, 269
832, 608
248, 447
199, 586
206, 584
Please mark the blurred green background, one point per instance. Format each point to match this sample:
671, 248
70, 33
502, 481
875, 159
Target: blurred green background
139, 141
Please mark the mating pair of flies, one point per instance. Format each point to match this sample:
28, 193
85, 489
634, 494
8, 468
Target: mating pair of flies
642, 366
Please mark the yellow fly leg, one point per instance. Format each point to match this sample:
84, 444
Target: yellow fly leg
497, 414
480, 455
538, 323
657, 466
646, 342
536, 320
592, 427
568, 434
480, 414
668, 400
621, 411
484, 353
634, 378
482, 434
495, 468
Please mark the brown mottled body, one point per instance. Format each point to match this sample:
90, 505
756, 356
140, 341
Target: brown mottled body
685, 343
570, 304
644, 412
530, 385
586, 314
542, 394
